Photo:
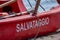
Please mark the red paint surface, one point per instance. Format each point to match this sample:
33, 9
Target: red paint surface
13, 5
8, 25
1, 2
17, 6
21, 6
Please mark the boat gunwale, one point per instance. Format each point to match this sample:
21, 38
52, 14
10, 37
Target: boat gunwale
24, 17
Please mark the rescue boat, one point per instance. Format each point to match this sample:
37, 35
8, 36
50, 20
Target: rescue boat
28, 21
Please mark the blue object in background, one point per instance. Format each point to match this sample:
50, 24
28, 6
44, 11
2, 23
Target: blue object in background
46, 4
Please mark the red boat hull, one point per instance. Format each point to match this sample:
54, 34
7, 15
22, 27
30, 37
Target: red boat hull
26, 26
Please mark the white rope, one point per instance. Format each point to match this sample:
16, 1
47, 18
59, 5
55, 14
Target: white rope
7, 3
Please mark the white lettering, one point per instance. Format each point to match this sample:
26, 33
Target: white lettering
32, 24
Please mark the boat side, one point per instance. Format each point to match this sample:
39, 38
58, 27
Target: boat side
27, 26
